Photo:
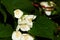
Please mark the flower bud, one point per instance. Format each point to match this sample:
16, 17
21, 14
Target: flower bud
16, 35
18, 13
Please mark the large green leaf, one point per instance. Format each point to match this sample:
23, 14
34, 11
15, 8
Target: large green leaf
24, 5
5, 30
43, 27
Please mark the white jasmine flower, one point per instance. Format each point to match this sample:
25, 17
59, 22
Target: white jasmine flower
23, 27
29, 19
48, 7
27, 37
48, 13
18, 13
16, 35
25, 23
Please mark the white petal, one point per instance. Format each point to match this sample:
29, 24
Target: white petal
34, 17
24, 27
27, 37
18, 13
16, 35
48, 13
30, 24
31, 17
20, 21
24, 17
46, 4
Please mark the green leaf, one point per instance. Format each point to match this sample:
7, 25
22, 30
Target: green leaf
24, 5
3, 13
43, 27
5, 30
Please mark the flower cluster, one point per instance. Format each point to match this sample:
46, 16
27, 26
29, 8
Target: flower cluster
17, 35
48, 7
25, 23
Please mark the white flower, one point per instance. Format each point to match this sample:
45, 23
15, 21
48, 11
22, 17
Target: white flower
23, 27
16, 35
27, 37
48, 13
25, 23
18, 13
48, 7
27, 19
